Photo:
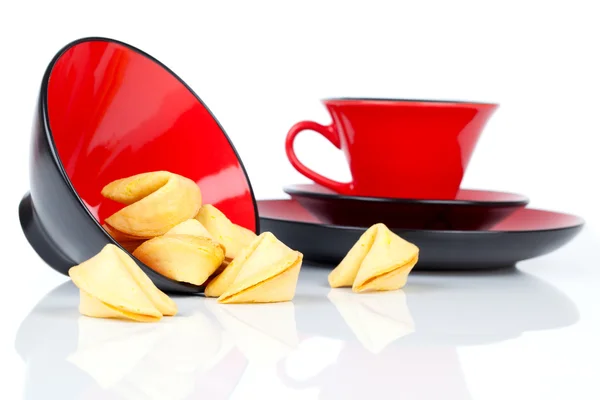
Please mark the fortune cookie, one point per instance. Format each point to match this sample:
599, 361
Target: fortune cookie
380, 260
266, 271
186, 253
155, 202
230, 235
129, 243
112, 285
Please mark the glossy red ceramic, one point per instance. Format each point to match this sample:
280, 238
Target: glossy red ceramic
114, 111
399, 148
469, 210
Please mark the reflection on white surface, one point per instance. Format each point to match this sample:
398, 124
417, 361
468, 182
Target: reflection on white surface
377, 319
98, 346
312, 356
155, 361
326, 344
264, 333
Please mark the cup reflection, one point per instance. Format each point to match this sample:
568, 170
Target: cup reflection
448, 309
405, 344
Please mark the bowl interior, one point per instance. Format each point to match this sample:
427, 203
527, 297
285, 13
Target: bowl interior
114, 111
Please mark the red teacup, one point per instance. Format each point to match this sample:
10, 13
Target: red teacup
399, 148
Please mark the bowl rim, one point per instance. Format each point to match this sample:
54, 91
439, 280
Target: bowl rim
57, 161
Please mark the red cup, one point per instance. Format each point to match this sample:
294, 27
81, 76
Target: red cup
398, 148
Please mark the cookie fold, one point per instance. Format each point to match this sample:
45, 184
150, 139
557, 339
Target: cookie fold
154, 203
184, 253
112, 285
232, 236
266, 271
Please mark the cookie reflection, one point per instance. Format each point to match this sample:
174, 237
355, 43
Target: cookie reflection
404, 344
264, 333
326, 344
458, 309
80, 357
376, 319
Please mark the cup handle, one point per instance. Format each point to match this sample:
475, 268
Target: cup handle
331, 134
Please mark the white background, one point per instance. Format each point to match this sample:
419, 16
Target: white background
261, 66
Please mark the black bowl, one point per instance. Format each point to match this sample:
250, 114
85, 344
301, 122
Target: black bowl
107, 110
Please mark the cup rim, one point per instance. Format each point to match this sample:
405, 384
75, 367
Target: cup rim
390, 101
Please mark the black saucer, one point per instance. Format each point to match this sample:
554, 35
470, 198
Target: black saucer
526, 234
469, 210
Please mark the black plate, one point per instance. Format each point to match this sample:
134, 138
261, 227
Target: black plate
469, 210
526, 234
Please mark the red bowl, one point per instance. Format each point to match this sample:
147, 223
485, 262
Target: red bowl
108, 110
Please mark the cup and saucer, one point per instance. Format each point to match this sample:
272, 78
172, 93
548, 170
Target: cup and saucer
407, 159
